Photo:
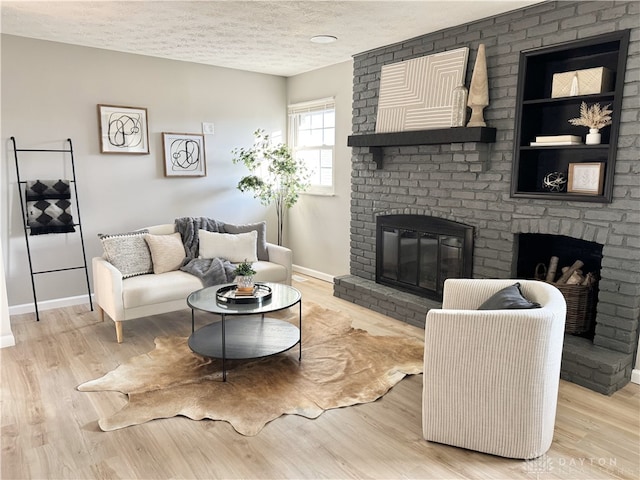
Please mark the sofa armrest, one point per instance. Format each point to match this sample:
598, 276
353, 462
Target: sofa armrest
107, 285
282, 256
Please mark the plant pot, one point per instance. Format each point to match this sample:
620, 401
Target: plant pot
593, 137
245, 283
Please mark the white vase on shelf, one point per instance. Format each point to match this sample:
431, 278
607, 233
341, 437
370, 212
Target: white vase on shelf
593, 137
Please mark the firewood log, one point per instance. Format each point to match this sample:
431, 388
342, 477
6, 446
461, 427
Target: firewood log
553, 268
576, 278
567, 274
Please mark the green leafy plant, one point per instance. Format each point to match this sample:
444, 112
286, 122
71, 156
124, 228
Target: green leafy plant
275, 176
593, 116
244, 269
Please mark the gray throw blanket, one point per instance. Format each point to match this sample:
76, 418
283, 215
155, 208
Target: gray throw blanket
211, 271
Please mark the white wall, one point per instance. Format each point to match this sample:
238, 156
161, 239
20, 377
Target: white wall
318, 226
50, 92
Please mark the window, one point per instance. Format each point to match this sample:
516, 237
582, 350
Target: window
312, 133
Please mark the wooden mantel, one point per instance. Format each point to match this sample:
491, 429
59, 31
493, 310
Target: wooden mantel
377, 141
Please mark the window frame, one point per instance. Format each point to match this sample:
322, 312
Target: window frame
294, 111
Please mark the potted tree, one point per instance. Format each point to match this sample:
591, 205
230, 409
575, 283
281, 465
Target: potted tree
274, 175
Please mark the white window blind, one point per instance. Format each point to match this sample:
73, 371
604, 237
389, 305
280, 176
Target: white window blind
312, 132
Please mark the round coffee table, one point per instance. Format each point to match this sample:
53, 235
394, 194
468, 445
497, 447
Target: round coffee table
249, 334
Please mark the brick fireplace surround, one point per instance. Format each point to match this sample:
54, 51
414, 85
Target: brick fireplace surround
470, 182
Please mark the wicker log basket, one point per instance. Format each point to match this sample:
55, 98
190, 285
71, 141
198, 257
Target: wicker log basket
580, 298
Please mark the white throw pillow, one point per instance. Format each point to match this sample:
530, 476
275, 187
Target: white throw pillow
235, 247
167, 252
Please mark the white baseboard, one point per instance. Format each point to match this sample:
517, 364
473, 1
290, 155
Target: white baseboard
635, 376
313, 273
49, 304
7, 341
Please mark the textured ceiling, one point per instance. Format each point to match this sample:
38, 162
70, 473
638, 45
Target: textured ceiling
261, 36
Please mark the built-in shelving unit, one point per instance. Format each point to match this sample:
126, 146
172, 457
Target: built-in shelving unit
377, 141
538, 114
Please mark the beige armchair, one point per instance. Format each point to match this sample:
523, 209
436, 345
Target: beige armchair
491, 377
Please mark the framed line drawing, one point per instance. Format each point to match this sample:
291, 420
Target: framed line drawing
184, 155
123, 129
586, 178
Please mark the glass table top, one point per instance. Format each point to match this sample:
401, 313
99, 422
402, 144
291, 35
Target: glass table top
282, 296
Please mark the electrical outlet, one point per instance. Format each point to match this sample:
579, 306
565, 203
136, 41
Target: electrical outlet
207, 128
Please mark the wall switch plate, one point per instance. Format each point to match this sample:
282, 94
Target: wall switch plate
207, 128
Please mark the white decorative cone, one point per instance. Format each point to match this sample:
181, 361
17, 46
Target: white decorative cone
479, 89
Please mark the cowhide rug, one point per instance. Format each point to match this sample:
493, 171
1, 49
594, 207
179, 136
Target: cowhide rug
341, 366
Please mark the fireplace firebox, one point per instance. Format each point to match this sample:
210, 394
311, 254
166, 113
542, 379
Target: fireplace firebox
417, 253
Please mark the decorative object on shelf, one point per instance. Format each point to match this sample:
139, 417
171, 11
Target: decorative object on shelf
275, 175
556, 140
479, 90
416, 94
554, 182
581, 82
594, 117
123, 129
459, 106
244, 278
586, 178
184, 155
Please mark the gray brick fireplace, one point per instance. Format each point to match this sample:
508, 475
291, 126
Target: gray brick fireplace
469, 183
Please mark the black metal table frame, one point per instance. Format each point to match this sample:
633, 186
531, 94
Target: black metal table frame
223, 318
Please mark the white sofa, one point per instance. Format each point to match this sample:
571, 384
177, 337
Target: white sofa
150, 294
491, 376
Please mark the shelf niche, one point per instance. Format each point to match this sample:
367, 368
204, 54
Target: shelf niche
377, 141
538, 114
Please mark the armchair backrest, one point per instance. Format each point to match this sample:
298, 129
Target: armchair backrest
469, 294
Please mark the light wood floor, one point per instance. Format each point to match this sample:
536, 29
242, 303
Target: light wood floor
49, 429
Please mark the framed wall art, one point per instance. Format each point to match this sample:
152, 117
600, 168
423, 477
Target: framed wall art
586, 178
417, 94
123, 129
184, 155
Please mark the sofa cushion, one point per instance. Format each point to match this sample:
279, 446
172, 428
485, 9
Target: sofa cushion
167, 252
233, 247
128, 252
508, 298
147, 290
261, 228
269, 272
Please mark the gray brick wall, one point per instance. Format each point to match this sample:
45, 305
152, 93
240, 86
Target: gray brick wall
470, 183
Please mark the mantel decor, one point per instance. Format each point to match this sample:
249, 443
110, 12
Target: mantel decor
123, 129
417, 94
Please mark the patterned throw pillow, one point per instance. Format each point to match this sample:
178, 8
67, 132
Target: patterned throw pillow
167, 252
128, 252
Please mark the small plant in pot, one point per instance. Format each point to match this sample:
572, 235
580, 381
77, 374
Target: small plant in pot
594, 117
244, 277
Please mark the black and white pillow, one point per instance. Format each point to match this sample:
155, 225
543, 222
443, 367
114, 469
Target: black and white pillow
128, 252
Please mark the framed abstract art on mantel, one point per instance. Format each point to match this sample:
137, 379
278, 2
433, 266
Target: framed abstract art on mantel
184, 155
123, 129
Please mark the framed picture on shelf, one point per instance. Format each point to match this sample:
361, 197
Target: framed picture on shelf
184, 155
586, 178
123, 129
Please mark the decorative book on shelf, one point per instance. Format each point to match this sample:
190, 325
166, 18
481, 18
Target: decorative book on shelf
555, 140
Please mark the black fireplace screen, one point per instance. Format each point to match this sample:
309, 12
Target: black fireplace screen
417, 253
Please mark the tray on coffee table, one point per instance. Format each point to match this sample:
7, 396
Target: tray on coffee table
229, 294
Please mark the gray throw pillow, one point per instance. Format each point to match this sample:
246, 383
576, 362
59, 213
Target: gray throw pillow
261, 228
128, 252
508, 298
